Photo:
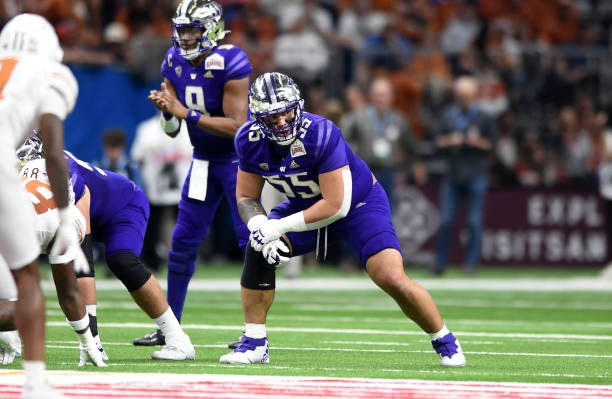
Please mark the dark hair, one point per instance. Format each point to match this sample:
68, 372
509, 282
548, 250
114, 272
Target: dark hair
114, 138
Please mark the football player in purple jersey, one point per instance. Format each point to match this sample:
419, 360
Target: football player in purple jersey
204, 85
331, 195
116, 212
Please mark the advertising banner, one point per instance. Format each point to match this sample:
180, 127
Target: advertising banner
521, 226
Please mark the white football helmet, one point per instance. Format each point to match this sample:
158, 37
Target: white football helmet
202, 16
275, 93
30, 34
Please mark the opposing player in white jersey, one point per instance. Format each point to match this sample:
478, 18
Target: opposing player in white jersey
36, 90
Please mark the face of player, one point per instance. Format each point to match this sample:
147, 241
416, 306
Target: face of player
189, 36
281, 125
281, 120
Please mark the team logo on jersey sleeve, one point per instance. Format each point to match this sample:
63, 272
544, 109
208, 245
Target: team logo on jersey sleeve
215, 61
297, 149
178, 70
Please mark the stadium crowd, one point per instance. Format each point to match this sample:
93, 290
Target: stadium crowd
543, 68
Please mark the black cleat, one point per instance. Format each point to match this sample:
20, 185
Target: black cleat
151, 339
236, 343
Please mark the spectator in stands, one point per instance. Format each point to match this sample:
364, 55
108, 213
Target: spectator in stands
382, 137
115, 158
465, 140
605, 189
301, 48
165, 163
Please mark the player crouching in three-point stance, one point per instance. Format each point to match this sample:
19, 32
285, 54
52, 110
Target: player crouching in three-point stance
332, 195
35, 180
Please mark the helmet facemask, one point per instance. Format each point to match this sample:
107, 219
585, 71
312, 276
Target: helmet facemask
271, 95
31, 149
197, 27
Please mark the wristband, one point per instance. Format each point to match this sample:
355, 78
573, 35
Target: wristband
169, 125
167, 115
193, 117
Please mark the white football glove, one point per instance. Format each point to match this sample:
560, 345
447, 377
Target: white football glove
89, 352
80, 264
100, 347
276, 253
267, 232
10, 346
66, 246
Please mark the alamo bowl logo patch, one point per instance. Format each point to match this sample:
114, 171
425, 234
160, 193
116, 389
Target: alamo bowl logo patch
215, 61
297, 149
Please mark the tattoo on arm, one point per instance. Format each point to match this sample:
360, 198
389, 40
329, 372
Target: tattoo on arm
249, 207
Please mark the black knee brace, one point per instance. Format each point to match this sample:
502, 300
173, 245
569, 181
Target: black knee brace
129, 269
87, 247
257, 274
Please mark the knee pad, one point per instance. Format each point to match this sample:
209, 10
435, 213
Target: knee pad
257, 274
129, 269
87, 247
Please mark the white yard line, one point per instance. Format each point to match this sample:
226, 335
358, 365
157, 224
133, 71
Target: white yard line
476, 284
398, 351
548, 336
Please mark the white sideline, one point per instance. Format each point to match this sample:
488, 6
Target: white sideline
356, 283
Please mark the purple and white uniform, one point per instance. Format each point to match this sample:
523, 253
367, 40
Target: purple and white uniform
212, 175
119, 209
294, 170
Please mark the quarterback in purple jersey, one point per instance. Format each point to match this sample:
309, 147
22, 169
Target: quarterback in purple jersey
205, 85
331, 195
116, 212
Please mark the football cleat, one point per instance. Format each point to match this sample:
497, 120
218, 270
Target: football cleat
151, 339
451, 354
236, 343
178, 347
10, 346
251, 350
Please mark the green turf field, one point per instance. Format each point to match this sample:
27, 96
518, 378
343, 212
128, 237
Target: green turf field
513, 334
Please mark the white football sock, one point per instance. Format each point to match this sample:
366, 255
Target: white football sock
91, 309
253, 330
439, 334
80, 325
34, 373
168, 323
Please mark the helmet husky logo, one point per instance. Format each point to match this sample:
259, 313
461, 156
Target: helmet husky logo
30, 34
271, 94
31, 149
193, 15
